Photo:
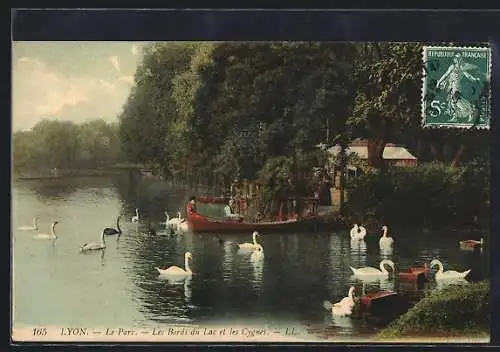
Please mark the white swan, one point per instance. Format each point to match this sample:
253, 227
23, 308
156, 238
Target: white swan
94, 246
183, 226
136, 217
385, 240
447, 275
258, 253
46, 236
358, 232
250, 246
31, 228
344, 306
173, 221
174, 272
372, 272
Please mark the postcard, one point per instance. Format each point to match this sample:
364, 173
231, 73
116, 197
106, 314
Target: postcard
250, 192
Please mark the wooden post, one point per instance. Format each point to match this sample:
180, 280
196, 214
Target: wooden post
343, 163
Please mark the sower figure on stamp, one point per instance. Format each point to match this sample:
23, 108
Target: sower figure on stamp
450, 81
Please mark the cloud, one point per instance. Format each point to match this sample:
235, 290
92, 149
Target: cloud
39, 92
115, 61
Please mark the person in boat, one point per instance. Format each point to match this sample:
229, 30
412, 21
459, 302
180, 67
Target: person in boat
228, 211
191, 207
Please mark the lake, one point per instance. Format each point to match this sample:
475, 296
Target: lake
56, 285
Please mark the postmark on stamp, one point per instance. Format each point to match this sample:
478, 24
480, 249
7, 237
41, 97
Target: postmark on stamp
456, 87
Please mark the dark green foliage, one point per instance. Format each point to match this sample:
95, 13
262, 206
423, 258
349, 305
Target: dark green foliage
432, 194
454, 310
227, 109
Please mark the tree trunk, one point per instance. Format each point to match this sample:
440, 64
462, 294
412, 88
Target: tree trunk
376, 152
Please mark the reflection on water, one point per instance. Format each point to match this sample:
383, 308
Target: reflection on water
286, 283
257, 261
386, 252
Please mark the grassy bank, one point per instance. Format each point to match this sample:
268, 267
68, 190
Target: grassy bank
453, 312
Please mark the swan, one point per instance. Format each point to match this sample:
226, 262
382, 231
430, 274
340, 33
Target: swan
109, 231
450, 274
174, 221
136, 217
258, 253
176, 272
358, 232
385, 240
94, 246
46, 236
183, 226
369, 271
344, 306
32, 228
250, 246
179, 216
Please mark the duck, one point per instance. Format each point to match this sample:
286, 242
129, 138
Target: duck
94, 246
358, 232
136, 217
449, 274
250, 246
373, 272
31, 228
344, 306
385, 241
175, 272
109, 231
46, 236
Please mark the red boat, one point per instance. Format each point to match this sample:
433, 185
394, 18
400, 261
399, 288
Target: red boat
415, 273
369, 299
200, 223
203, 223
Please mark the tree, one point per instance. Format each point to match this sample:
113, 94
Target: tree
388, 99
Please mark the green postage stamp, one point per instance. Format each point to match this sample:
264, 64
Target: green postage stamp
456, 87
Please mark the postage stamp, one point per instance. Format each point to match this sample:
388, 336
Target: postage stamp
456, 87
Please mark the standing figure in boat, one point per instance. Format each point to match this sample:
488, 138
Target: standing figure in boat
191, 207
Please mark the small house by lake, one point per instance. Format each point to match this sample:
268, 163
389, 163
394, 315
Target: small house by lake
394, 155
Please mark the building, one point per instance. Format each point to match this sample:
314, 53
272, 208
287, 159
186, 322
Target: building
394, 155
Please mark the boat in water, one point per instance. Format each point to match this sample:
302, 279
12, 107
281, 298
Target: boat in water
203, 223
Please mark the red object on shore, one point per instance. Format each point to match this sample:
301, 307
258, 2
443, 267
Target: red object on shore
369, 299
200, 223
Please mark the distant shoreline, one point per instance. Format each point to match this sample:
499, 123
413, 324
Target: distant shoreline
66, 174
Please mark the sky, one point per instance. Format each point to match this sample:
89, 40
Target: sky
75, 81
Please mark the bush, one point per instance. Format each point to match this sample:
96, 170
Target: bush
431, 194
455, 310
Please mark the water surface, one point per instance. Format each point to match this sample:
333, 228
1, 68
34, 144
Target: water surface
54, 284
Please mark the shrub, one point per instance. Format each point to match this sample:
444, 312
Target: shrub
454, 310
431, 194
